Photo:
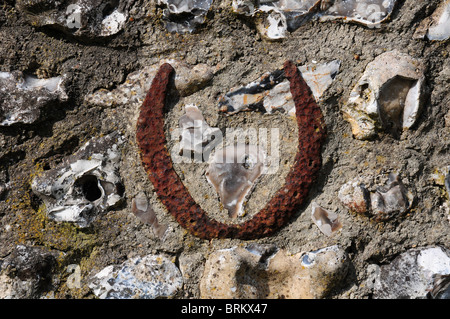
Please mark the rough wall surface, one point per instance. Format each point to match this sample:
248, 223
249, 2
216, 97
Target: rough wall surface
106, 65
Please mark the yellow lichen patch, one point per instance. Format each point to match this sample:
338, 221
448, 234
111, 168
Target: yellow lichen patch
438, 176
81, 288
381, 159
33, 225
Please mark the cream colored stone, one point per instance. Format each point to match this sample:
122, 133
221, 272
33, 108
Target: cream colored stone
246, 273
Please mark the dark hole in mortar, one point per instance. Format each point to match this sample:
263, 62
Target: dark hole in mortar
89, 187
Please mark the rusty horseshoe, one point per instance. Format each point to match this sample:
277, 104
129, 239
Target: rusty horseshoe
157, 162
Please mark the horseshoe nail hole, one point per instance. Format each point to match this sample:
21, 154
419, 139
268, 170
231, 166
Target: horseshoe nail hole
89, 187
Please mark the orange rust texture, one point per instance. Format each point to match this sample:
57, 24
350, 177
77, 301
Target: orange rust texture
174, 195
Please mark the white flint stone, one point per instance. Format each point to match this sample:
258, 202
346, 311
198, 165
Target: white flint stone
148, 277
197, 136
273, 26
184, 16
386, 202
368, 12
280, 16
335, 256
412, 274
389, 95
355, 196
113, 23
271, 92
132, 92
437, 26
319, 76
84, 184
434, 260
23, 96
80, 18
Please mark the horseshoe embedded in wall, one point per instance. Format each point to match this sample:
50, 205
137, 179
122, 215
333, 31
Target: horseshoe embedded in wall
173, 194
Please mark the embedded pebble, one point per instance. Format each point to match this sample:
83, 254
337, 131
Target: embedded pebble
144, 211
413, 274
386, 202
27, 272
188, 79
273, 85
198, 139
320, 76
275, 18
369, 12
233, 172
23, 96
388, 96
271, 92
391, 200
437, 26
148, 277
355, 196
183, 16
328, 222
85, 184
80, 18
266, 272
